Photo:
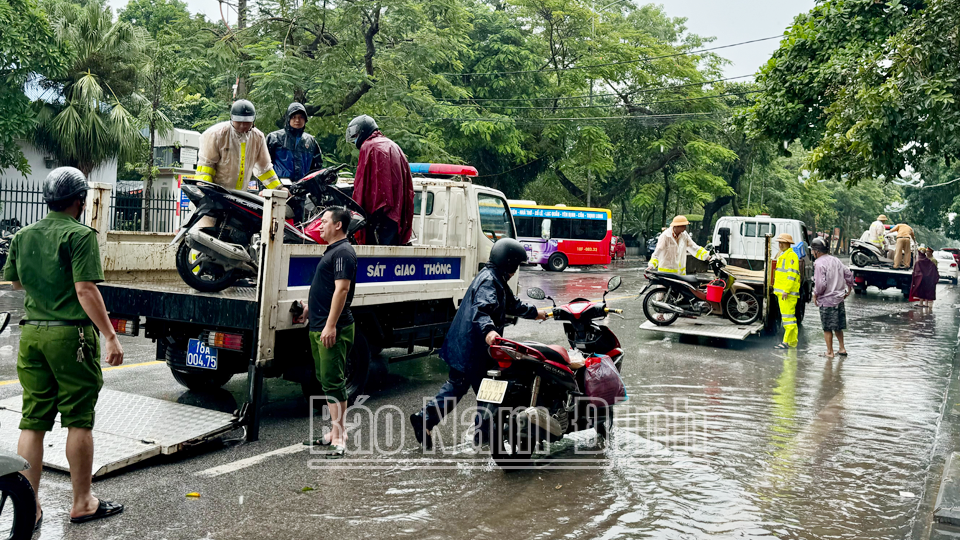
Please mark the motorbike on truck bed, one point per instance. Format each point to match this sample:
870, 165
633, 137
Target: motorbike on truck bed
536, 393
214, 257
673, 295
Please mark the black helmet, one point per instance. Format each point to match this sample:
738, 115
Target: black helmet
507, 254
64, 184
293, 109
242, 111
360, 129
819, 245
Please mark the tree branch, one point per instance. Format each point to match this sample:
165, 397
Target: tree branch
569, 185
369, 33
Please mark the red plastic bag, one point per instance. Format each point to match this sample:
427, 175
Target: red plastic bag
603, 382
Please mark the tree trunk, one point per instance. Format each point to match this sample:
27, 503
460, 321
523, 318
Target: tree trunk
709, 210
666, 197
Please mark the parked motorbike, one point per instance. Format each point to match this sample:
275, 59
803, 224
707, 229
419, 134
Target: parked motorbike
535, 394
865, 253
18, 502
673, 295
214, 257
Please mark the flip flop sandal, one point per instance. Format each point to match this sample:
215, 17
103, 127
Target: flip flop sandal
781, 346
36, 527
335, 452
842, 353
318, 442
104, 509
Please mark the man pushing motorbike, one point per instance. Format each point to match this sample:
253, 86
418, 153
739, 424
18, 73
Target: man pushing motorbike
479, 320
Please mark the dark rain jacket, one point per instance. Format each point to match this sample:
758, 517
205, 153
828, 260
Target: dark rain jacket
485, 307
384, 184
293, 152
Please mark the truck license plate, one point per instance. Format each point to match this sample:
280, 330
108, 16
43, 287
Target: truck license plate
492, 391
201, 355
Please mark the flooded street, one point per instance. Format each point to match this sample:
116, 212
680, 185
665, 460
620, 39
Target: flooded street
718, 439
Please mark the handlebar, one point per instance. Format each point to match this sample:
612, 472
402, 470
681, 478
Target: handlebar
609, 310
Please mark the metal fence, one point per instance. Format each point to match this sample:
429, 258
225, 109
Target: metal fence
21, 203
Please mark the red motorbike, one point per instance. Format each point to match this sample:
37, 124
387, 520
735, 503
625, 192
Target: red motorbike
535, 394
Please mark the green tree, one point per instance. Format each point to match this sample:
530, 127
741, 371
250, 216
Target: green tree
90, 123
157, 16
27, 48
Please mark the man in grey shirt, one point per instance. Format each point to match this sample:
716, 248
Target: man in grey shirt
832, 284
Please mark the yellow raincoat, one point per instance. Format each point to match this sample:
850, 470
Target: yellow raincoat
786, 285
229, 159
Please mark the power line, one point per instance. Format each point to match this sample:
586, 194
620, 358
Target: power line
605, 106
586, 96
644, 59
552, 119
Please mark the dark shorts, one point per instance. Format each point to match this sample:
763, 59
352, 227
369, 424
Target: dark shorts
331, 364
54, 380
834, 318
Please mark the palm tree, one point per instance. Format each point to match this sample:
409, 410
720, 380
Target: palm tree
85, 117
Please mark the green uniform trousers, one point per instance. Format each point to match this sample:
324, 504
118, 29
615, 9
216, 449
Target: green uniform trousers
55, 380
788, 315
331, 364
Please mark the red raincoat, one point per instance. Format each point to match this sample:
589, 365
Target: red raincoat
383, 182
925, 279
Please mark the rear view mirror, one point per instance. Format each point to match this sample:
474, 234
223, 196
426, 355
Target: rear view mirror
614, 283
536, 293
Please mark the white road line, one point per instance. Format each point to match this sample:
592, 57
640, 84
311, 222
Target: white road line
250, 461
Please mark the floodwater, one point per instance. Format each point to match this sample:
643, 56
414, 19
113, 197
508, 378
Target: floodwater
718, 440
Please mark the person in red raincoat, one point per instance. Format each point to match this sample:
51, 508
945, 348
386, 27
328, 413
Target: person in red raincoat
925, 279
383, 185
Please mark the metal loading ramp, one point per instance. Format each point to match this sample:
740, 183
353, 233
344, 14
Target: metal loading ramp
129, 429
713, 327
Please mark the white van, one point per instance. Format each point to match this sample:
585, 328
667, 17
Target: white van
740, 238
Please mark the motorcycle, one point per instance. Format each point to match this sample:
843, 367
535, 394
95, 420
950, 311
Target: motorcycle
214, 257
865, 253
673, 295
20, 513
534, 392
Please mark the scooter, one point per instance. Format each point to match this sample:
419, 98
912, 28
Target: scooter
18, 502
864, 253
673, 295
533, 392
213, 258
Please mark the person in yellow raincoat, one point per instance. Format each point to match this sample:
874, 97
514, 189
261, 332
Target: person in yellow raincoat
231, 151
786, 285
672, 248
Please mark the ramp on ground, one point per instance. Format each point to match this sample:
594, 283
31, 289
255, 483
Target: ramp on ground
708, 327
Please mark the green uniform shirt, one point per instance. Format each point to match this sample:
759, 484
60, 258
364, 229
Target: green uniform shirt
47, 258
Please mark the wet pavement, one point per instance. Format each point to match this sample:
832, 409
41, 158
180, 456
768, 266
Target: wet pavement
718, 439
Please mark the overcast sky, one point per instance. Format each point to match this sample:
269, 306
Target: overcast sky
730, 21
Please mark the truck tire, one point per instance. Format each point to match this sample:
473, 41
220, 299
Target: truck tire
801, 311
21, 505
557, 262
954, 281
195, 380
652, 313
213, 282
358, 368
859, 290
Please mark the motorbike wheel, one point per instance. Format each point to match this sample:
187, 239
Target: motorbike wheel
654, 314
509, 448
18, 506
861, 259
205, 276
742, 307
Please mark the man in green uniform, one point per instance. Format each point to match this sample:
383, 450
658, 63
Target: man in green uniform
57, 262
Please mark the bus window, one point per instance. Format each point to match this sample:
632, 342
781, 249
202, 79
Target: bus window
495, 220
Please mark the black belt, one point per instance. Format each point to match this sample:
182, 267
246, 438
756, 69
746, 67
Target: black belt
82, 322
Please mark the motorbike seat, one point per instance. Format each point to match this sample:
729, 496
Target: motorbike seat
247, 195
554, 353
693, 280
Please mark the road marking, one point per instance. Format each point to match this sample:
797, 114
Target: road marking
141, 364
250, 461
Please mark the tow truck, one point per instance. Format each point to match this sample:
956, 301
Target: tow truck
406, 297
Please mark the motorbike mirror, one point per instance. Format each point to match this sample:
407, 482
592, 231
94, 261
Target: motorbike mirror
536, 293
709, 246
614, 283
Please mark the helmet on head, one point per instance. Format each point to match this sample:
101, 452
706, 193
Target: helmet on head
359, 129
64, 184
242, 111
819, 245
507, 254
